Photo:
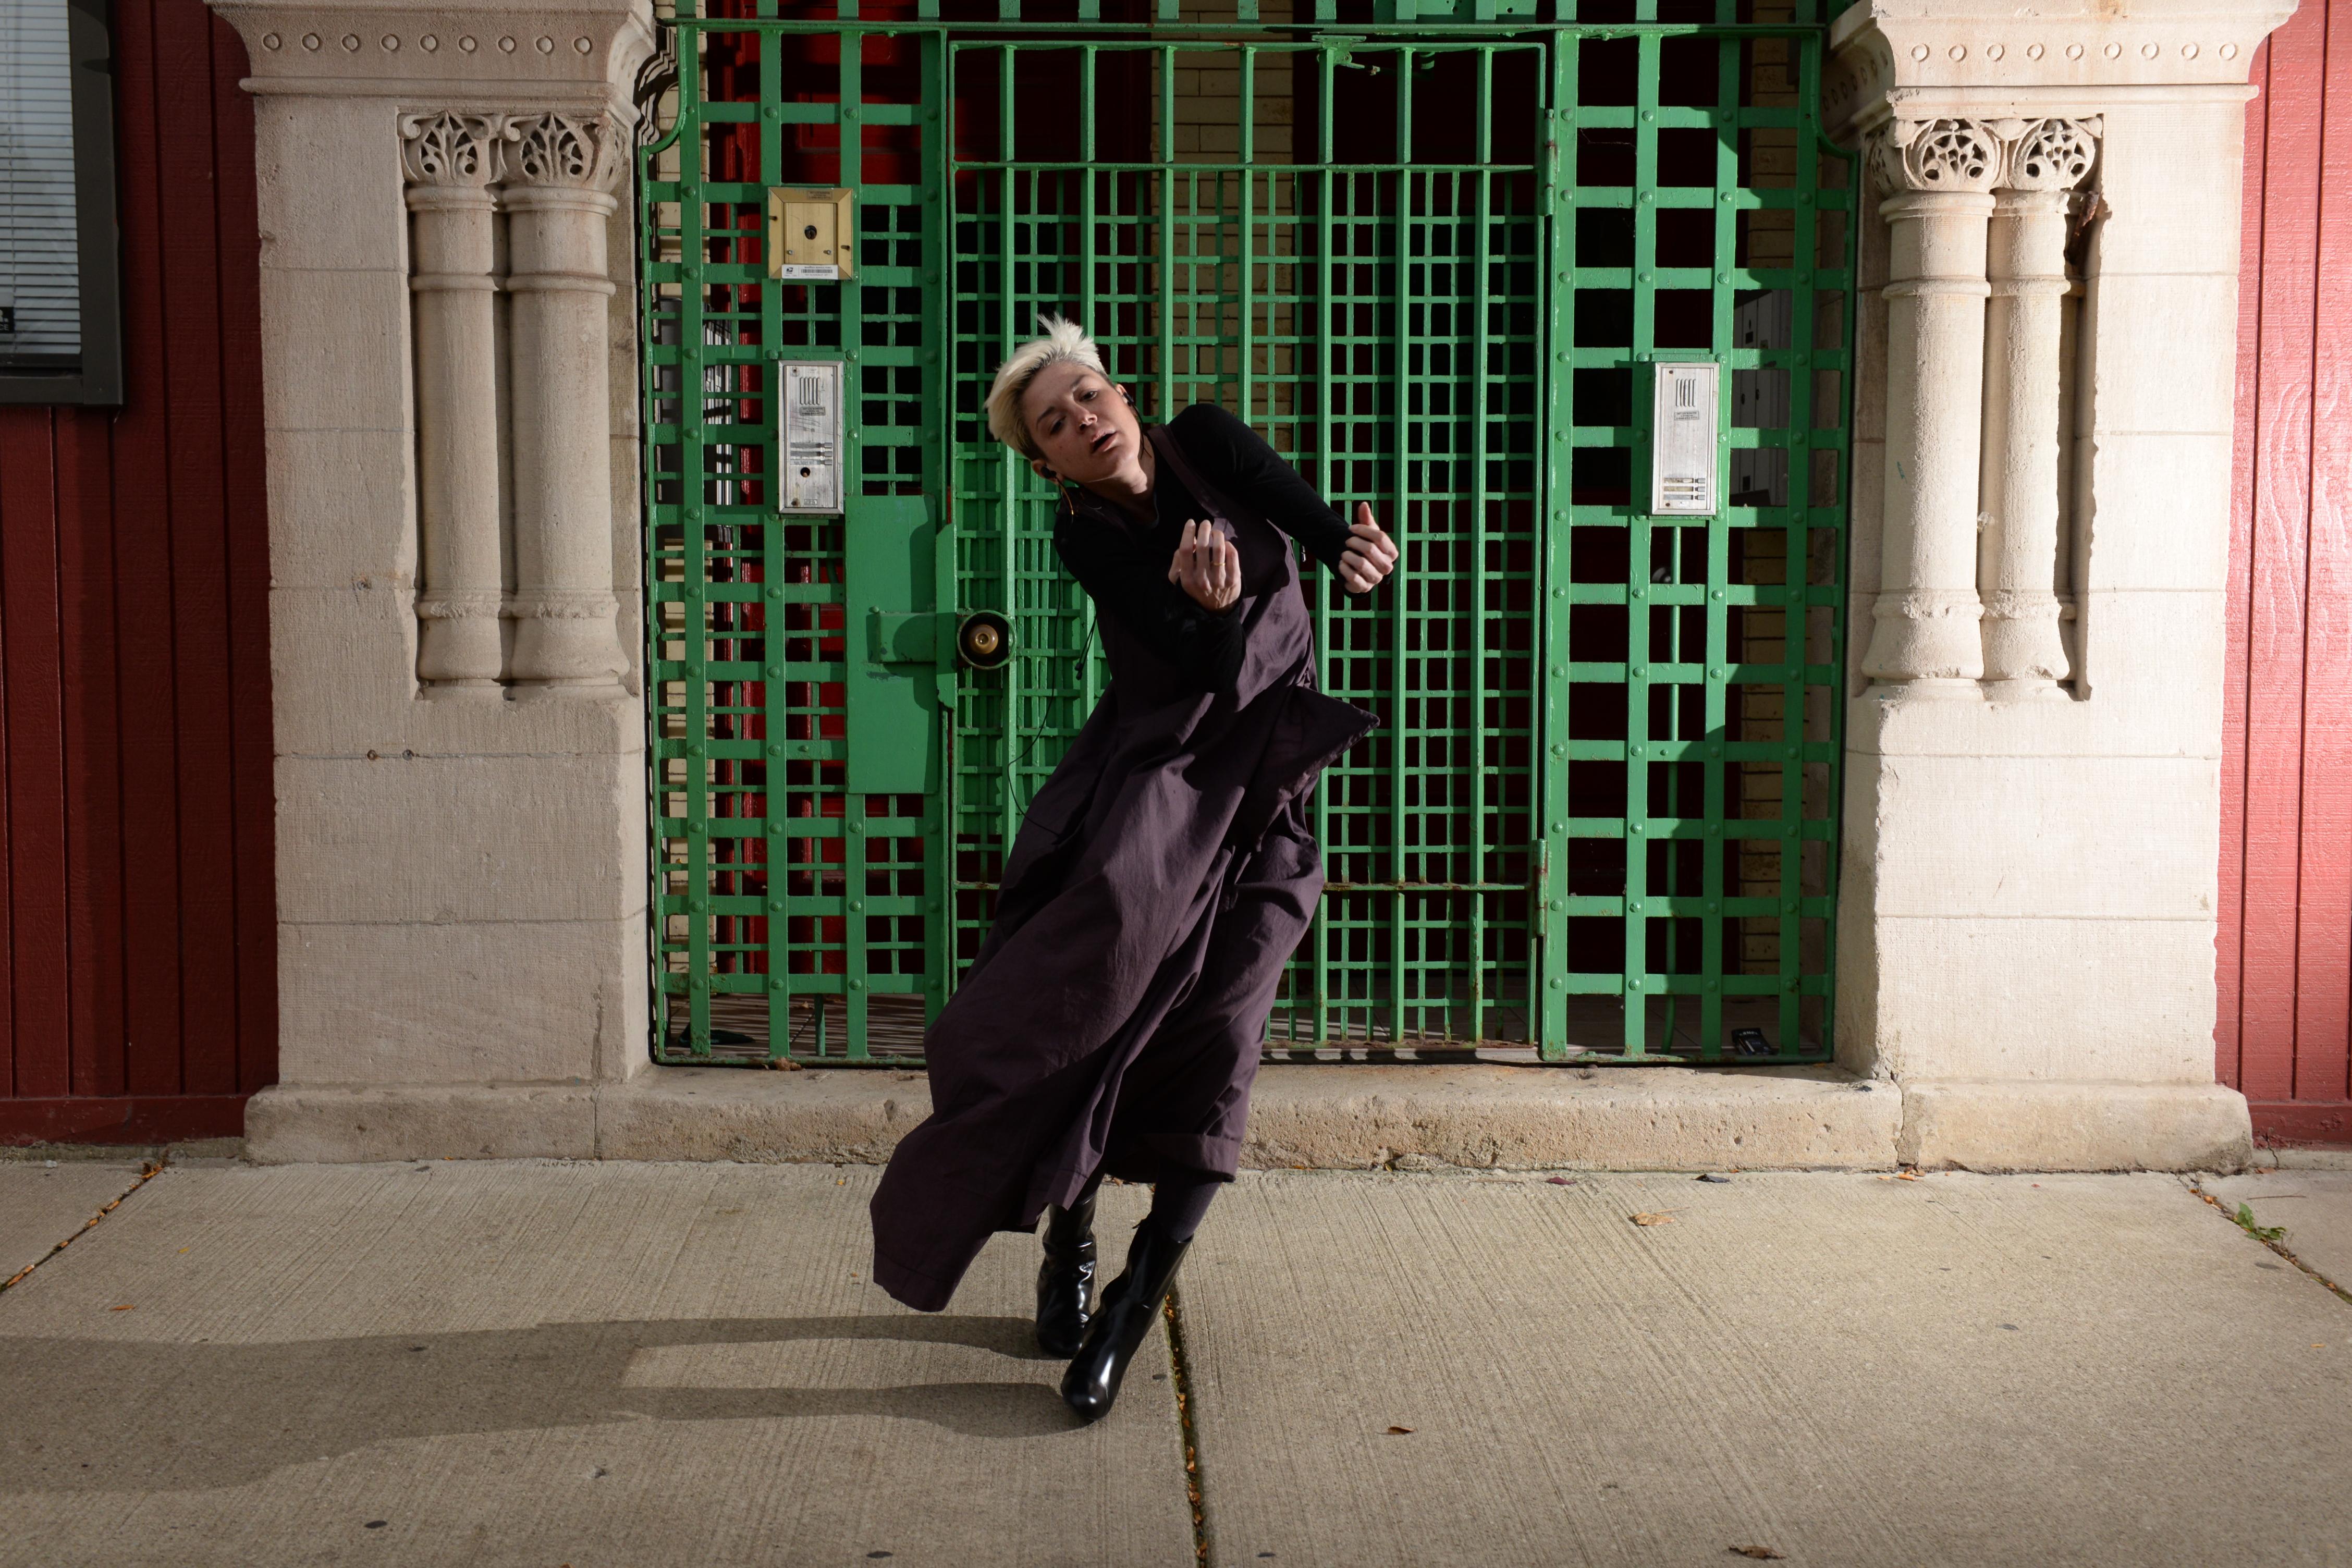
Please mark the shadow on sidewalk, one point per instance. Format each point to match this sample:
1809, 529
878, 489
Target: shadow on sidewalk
86, 1415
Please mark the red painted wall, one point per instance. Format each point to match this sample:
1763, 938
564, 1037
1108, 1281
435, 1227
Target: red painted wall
2285, 1034
137, 898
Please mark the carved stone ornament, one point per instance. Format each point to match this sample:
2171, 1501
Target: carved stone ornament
449, 148
1909, 156
582, 152
2051, 155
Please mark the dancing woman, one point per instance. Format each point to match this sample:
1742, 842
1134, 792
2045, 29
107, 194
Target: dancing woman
1111, 1021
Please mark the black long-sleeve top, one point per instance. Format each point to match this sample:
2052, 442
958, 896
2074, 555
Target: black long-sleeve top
1125, 571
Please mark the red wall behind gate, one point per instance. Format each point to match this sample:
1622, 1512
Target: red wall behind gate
2285, 1034
137, 899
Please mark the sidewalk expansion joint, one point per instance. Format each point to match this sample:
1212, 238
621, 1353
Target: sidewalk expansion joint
1180, 1380
147, 1174
2274, 1244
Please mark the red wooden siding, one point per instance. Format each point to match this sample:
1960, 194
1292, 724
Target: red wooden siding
2284, 1032
137, 896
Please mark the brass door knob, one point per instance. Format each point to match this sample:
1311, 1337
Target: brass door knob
983, 640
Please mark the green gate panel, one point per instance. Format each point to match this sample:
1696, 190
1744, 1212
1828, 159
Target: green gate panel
891, 704
1438, 267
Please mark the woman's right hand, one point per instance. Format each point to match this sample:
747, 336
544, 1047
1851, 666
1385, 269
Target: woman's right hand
1207, 566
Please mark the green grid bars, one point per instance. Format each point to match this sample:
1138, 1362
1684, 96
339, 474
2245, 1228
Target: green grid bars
1691, 790
794, 917
1436, 271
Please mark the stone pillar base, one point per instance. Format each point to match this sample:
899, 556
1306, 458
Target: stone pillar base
1992, 1125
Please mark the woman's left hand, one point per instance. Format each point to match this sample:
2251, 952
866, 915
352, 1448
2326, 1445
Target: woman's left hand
1370, 553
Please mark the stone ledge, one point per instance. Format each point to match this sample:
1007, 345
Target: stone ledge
1989, 1125
1341, 1116
1320, 1117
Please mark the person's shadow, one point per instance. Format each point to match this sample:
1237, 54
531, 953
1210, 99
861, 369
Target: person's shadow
96, 1416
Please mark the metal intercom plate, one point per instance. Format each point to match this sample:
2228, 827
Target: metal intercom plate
812, 232
808, 397
1683, 419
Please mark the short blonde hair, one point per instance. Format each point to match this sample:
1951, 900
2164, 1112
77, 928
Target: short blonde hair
1063, 339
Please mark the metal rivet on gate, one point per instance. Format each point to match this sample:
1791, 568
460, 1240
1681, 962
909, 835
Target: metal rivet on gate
1557, 670
857, 985
1718, 593
775, 903
777, 591
1648, 278
1558, 983
1634, 905
702, 906
772, 112
1553, 904
776, 748
1792, 753
1725, 198
776, 985
1567, 278
694, 514
775, 672
695, 749
1563, 356
1632, 983
1718, 673
1559, 751
1560, 593
857, 904
1633, 751
849, 111
701, 982
1713, 905
1715, 830
1724, 278
1635, 827
1649, 117
1711, 985
1804, 198
1647, 195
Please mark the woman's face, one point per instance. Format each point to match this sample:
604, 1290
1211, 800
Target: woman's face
1084, 431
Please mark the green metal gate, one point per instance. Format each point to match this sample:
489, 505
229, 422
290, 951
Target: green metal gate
1438, 267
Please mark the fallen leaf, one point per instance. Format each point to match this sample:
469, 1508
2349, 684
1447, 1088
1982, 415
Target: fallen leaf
1561, 1180
124, 1308
1908, 1177
1653, 1219
1399, 1431
1761, 1553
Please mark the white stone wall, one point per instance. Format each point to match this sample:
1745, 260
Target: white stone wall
461, 842
2027, 902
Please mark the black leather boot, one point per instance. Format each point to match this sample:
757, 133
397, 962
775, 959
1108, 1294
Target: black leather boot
1128, 1305
1066, 1280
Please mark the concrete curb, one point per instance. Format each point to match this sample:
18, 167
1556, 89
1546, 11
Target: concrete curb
1324, 1116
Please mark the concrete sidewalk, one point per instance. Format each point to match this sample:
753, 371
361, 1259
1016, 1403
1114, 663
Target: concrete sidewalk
626, 1365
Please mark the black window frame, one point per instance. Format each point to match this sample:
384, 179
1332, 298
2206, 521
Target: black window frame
89, 43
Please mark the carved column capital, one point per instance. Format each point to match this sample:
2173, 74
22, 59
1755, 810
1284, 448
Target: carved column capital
2048, 154
450, 148
1917, 156
566, 151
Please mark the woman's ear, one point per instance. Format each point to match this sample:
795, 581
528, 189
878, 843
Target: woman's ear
1129, 395
1038, 465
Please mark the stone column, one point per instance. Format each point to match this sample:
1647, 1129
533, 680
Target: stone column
2025, 901
2024, 657
1939, 174
462, 886
558, 196
451, 160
